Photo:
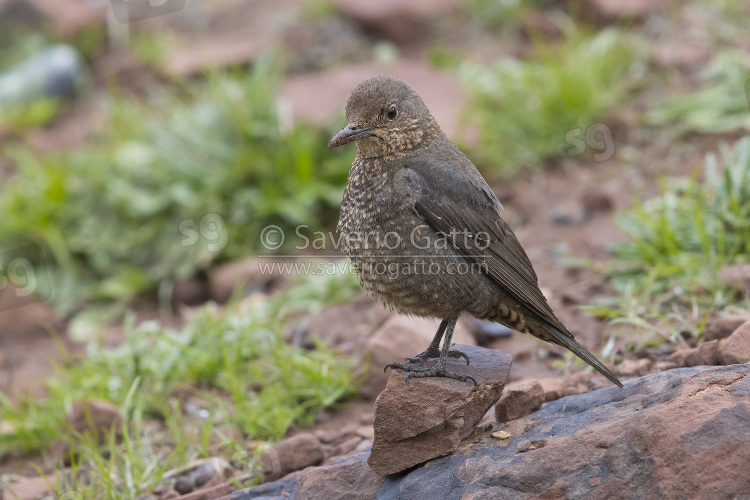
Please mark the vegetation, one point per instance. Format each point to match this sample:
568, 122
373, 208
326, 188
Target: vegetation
525, 110
167, 187
223, 372
667, 273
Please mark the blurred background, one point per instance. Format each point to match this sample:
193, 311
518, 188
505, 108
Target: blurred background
145, 150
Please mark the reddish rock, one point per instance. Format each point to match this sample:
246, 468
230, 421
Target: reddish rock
242, 276
680, 356
399, 337
217, 51
339, 481
430, 417
553, 388
289, 455
346, 326
709, 353
635, 367
685, 56
189, 292
736, 349
723, 326
97, 416
518, 400
69, 16
394, 19
611, 10
736, 276
27, 488
440, 90
677, 434
661, 366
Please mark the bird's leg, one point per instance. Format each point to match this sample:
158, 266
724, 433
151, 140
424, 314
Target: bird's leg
433, 350
439, 370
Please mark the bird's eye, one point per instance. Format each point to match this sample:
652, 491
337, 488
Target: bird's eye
392, 112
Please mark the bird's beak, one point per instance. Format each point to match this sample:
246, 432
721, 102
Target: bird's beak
348, 134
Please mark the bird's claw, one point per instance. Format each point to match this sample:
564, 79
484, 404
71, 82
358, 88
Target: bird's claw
436, 371
434, 353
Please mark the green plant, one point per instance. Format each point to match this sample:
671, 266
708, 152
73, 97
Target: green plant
667, 273
720, 105
524, 109
224, 371
169, 186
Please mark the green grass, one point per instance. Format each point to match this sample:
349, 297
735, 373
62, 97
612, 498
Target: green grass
235, 366
666, 274
721, 104
524, 109
169, 186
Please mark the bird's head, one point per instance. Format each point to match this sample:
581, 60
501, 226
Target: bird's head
384, 116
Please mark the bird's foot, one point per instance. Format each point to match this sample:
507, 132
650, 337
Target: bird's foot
432, 352
438, 370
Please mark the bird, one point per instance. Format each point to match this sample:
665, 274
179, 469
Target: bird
425, 234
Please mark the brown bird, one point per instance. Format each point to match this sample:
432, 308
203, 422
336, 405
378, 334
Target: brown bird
424, 232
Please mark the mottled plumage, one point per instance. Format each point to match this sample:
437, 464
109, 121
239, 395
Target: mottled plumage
424, 231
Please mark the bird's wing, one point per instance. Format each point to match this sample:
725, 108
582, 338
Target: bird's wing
470, 217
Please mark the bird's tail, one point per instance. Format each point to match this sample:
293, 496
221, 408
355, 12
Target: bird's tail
572, 345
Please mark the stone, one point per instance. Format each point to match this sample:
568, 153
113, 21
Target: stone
723, 326
27, 488
94, 415
553, 388
189, 292
709, 353
429, 417
217, 51
653, 439
518, 400
485, 331
399, 337
661, 366
736, 276
606, 11
441, 91
396, 20
680, 356
736, 349
289, 455
66, 17
245, 276
596, 200
345, 326
634, 367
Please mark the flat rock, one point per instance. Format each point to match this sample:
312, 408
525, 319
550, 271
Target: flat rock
429, 417
519, 399
736, 349
400, 336
244, 276
682, 433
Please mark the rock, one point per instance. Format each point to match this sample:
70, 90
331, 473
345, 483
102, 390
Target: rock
346, 326
567, 214
553, 388
441, 91
429, 417
606, 11
398, 21
189, 292
289, 455
65, 16
218, 51
723, 326
680, 356
654, 439
398, 337
93, 415
661, 366
343, 479
709, 353
28, 488
243, 275
596, 200
671, 53
736, 349
518, 400
635, 367
485, 331
736, 276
